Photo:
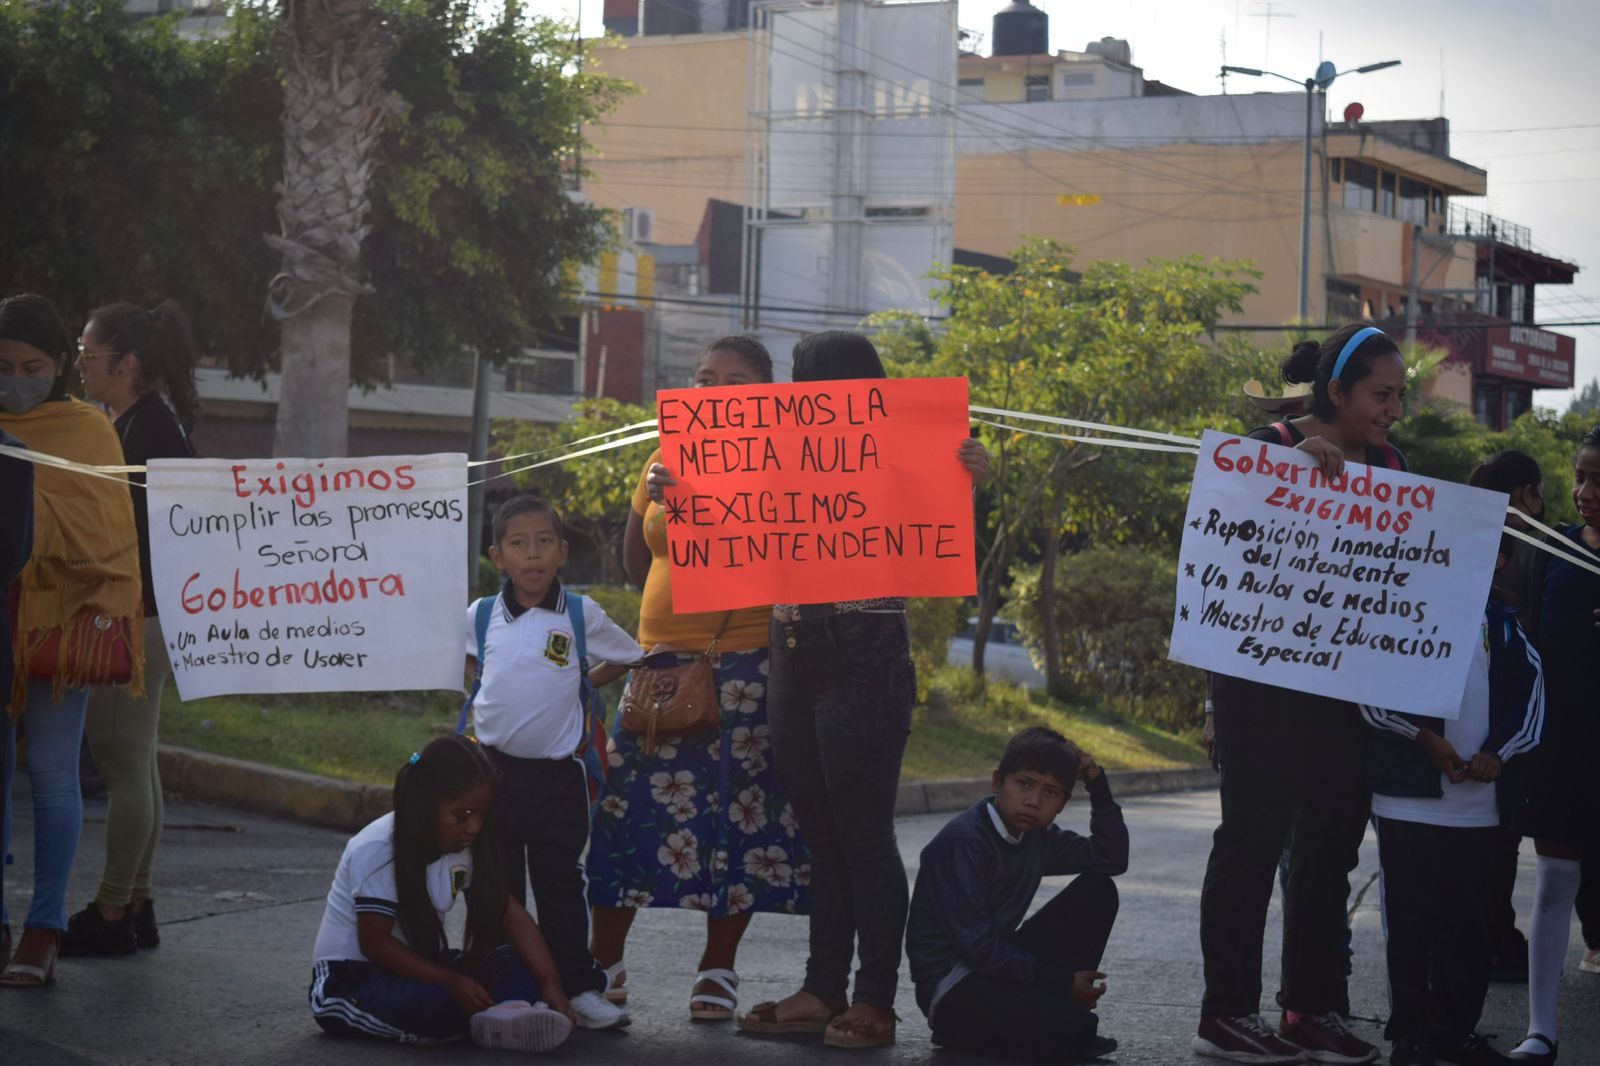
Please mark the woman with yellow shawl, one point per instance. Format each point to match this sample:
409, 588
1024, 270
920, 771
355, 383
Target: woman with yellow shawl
78, 599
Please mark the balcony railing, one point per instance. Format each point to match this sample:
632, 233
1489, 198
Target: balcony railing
1466, 222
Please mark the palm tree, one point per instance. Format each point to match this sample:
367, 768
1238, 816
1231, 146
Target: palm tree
336, 54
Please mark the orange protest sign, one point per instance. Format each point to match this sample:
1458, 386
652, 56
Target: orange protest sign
829, 490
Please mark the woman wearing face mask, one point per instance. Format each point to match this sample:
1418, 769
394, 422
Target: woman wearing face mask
76, 602
140, 365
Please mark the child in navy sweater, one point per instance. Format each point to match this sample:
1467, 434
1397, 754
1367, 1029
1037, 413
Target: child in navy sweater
1441, 791
988, 981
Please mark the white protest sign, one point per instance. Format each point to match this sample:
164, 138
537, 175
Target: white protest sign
1368, 588
310, 575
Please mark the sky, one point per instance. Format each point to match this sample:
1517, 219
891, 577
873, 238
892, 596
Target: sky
1519, 82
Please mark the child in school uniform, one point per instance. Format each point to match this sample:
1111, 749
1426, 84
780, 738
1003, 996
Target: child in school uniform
988, 981
528, 713
384, 968
1442, 789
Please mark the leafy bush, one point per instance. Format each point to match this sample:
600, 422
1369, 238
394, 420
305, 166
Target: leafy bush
933, 623
621, 603
1113, 607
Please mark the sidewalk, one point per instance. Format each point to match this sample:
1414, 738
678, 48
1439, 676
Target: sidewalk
240, 897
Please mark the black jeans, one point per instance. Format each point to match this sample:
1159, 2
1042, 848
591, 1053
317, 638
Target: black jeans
839, 706
1503, 935
1289, 761
1437, 902
1588, 902
542, 807
1013, 1020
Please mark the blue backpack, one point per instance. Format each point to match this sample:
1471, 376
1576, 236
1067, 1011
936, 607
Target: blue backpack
592, 746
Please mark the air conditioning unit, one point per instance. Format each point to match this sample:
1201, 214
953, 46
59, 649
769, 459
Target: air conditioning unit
639, 224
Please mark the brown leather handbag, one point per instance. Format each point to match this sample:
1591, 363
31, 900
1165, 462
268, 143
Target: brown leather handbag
673, 702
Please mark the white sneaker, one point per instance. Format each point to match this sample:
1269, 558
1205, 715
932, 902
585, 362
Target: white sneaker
594, 1012
517, 1025
1591, 961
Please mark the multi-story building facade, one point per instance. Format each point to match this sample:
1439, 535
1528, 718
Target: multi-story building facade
1082, 147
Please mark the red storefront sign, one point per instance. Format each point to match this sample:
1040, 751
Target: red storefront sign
1527, 353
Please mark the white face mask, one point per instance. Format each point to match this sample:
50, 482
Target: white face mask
18, 396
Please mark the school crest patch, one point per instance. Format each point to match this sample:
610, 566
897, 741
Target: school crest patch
458, 880
558, 648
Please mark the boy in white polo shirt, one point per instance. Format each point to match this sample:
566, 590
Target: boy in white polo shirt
528, 715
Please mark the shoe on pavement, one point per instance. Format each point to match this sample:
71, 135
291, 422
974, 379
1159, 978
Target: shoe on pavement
1591, 961
1542, 1057
1326, 1038
1411, 1051
1474, 1050
517, 1025
90, 934
1098, 1048
1247, 1038
594, 1012
144, 926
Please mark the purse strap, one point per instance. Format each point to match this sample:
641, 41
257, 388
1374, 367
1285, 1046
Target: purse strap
723, 628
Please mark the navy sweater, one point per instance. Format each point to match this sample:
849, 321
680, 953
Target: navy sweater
974, 889
1516, 721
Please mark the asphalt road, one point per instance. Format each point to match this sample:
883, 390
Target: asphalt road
240, 897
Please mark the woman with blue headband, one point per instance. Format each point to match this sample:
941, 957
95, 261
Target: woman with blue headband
1294, 769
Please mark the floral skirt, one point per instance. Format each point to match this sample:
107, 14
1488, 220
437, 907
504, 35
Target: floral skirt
702, 824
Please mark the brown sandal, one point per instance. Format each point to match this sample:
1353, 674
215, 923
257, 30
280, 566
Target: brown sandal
853, 1033
763, 1018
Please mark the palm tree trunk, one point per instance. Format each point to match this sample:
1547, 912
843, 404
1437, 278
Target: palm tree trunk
336, 54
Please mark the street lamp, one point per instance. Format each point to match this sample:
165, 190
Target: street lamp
1323, 78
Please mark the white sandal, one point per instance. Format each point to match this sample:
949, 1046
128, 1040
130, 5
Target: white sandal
616, 992
718, 1008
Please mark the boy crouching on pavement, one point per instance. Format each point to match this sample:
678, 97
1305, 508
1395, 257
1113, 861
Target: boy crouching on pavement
988, 981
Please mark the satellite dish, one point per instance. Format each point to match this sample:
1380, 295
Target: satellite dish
1353, 113
1326, 72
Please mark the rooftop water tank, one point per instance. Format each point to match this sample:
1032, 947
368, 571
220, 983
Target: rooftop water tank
1113, 48
1021, 30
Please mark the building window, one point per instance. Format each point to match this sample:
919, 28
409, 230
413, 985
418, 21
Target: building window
1344, 301
1486, 403
971, 88
1386, 208
1360, 186
1036, 87
1514, 402
897, 212
1413, 202
1077, 79
1336, 170
1520, 307
1438, 204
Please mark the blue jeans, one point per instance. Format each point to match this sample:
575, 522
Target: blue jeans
54, 733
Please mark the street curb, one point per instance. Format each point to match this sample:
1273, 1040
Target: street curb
348, 805
249, 786
939, 797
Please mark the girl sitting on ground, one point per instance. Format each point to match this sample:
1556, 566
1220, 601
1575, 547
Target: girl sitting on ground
383, 964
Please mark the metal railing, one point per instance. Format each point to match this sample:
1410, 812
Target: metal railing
1467, 222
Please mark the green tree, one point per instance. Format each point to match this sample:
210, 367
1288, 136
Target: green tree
138, 165
1116, 344
595, 493
1587, 401
141, 165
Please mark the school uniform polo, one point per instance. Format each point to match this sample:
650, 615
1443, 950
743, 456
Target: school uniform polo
364, 884
527, 704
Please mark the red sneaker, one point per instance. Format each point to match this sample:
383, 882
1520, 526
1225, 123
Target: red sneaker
1324, 1038
1246, 1038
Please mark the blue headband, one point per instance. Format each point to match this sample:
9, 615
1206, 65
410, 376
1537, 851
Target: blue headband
1351, 345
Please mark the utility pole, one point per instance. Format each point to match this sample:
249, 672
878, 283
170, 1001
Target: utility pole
483, 371
1324, 77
